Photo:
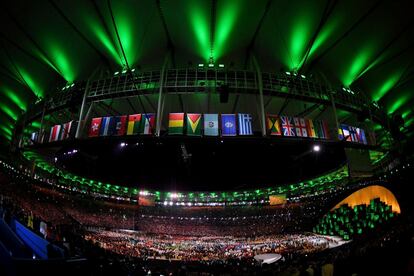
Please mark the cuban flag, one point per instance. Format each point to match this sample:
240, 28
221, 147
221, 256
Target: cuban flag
287, 126
228, 125
300, 126
211, 125
245, 124
106, 126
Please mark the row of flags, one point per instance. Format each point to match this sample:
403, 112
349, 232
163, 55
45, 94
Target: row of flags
56, 133
120, 125
296, 127
196, 124
241, 124
63, 131
352, 134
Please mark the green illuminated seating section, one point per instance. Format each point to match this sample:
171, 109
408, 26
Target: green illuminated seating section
348, 222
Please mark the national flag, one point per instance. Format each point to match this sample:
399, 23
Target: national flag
245, 124
346, 133
353, 133
361, 136
287, 126
33, 136
65, 130
273, 125
211, 125
310, 128
194, 124
43, 136
228, 125
326, 129
176, 123
300, 126
321, 129
340, 134
107, 126
54, 133
147, 123
95, 126
73, 129
118, 126
134, 124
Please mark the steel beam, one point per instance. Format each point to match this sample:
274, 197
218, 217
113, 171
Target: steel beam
160, 105
261, 101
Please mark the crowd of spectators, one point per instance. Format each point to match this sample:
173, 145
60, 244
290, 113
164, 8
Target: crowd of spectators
208, 248
187, 241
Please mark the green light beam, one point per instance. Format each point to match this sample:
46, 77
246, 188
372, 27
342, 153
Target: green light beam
13, 96
106, 41
357, 64
62, 61
226, 19
200, 25
387, 85
9, 112
399, 102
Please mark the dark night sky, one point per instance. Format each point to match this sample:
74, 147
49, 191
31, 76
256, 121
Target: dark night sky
234, 164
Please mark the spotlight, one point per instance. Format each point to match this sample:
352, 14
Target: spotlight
316, 148
123, 144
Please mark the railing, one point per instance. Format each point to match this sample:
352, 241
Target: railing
206, 80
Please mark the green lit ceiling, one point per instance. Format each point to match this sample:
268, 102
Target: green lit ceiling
360, 44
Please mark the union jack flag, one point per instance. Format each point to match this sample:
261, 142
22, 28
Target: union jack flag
287, 126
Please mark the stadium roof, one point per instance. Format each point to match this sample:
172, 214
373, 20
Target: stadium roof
358, 44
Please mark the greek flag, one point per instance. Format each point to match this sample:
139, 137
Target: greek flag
245, 124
